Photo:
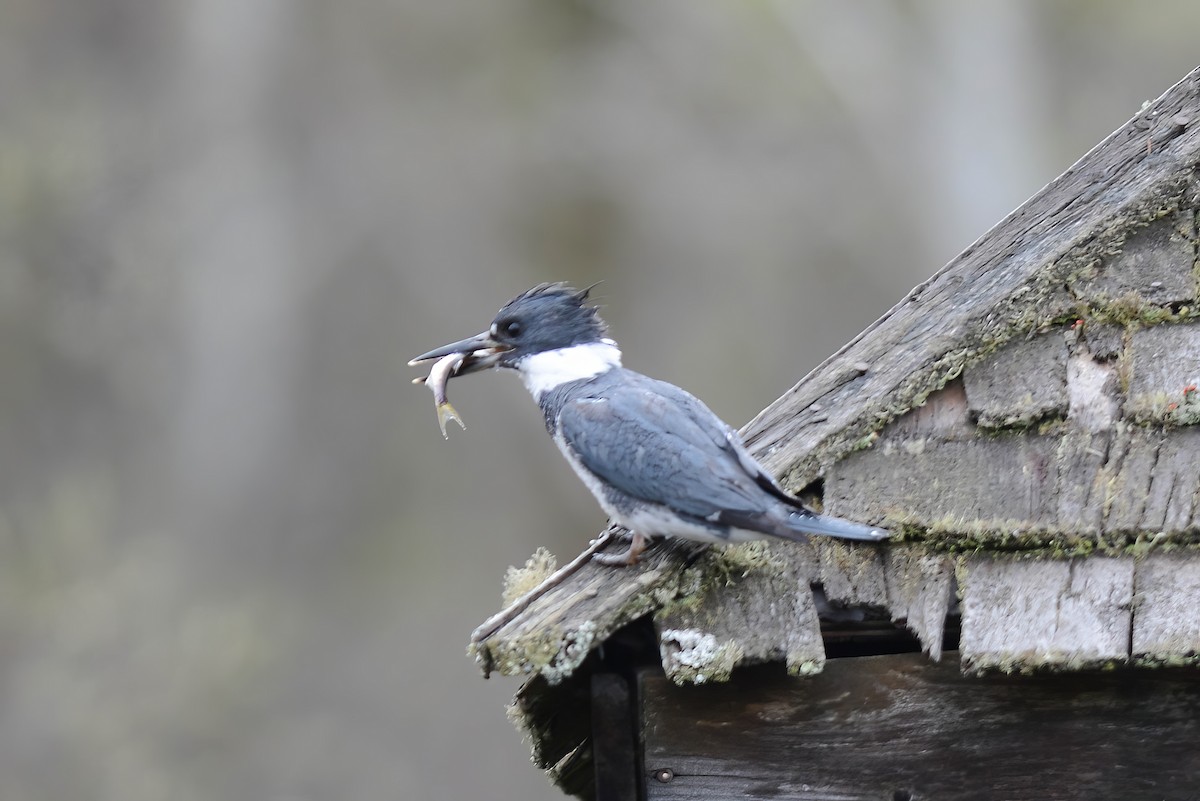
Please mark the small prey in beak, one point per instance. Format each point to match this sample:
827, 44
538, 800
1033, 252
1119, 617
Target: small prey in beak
438, 377
480, 352
457, 359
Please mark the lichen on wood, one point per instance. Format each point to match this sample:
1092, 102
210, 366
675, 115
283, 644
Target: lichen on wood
753, 604
520, 580
1015, 423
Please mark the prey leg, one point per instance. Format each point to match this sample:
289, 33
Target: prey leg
637, 543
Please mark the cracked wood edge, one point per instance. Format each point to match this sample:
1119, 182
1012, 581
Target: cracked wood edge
551, 630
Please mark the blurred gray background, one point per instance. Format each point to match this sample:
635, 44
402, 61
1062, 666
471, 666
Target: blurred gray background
237, 560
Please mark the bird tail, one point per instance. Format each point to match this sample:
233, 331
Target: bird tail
802, 522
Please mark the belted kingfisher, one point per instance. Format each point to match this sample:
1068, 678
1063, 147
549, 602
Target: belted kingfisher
658, 461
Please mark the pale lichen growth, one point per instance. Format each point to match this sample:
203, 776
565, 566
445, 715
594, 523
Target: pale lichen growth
690, 656
1167, 660
575, 647
520, 580
555, 650
806, 666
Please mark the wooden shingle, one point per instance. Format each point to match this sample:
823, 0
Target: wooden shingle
1027, 424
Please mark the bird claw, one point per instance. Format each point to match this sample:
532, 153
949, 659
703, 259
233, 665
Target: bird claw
628, 557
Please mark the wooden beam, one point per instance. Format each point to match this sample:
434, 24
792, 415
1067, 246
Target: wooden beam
614, 753
901, 727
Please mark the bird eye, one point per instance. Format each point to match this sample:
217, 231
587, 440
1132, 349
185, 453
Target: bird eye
512, 329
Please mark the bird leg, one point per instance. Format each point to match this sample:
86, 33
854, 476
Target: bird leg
638, 542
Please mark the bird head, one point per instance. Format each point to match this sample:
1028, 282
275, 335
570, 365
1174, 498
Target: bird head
546, 318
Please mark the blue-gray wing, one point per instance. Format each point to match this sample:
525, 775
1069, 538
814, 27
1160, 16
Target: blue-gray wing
658, 443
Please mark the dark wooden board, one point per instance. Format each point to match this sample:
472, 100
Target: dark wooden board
614, 754
901, 727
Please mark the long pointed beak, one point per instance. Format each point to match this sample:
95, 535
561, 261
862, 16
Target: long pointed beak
482, 352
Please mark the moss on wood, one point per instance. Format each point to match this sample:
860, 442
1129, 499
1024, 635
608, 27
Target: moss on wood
1165, 409
1021, 539
520, 580
1096, 256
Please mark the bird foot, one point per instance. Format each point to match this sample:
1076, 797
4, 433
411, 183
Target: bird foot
628, 557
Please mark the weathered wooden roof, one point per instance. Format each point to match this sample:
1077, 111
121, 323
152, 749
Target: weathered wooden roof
1057, 347
1024, 423
1075, 251
1035, 269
